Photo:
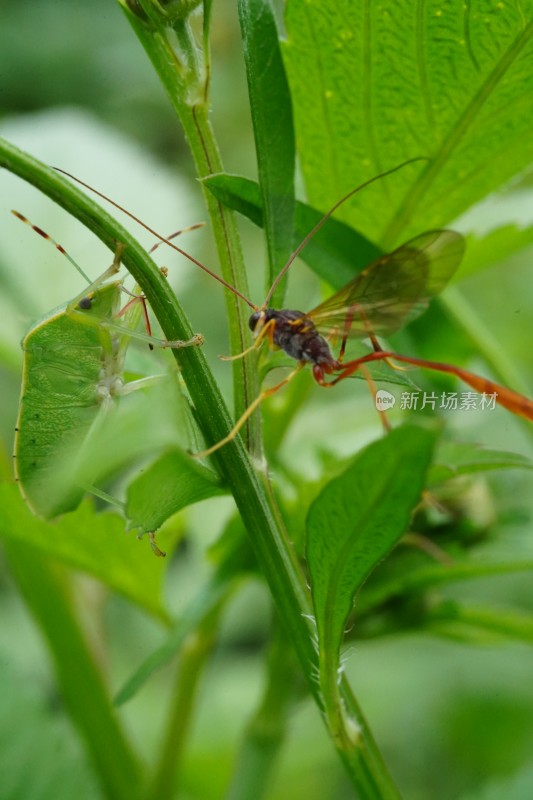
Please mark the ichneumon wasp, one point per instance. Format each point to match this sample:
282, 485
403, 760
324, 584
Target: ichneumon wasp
391, 291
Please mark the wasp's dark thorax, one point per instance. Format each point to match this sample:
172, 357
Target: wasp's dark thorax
296, 335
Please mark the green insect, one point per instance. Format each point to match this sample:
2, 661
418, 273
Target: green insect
72, 373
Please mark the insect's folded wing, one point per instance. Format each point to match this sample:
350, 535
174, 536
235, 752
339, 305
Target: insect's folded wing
394, 289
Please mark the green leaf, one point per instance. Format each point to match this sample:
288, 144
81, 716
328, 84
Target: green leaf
375, 84
173, 482
94, 543
336, 253
270, 105
432, 576
480, 625
357, 520
454, 459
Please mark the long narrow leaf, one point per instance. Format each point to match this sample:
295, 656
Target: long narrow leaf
435, 576
479, 624
270, 104
454, 459
336, 253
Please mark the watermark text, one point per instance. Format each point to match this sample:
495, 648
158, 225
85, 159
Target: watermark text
447, 401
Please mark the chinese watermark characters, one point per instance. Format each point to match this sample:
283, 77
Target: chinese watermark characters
447, 401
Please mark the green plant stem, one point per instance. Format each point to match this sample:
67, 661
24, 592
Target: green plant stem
193, 656
46, 592
268, 538
267, 729
185, 85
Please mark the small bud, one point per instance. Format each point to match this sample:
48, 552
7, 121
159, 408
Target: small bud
177, 10
135, 7
168, 11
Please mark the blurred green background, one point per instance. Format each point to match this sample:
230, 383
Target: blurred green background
453, 720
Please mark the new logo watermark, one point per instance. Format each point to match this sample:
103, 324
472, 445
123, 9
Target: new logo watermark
384, 400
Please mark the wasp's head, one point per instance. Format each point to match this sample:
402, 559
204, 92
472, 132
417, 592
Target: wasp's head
257, 321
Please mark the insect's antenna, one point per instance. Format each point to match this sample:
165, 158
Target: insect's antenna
328, 214
48, 238
177, 233
159, 236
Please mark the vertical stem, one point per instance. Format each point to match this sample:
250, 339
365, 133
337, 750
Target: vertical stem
266, 731
193, 656
45, 590
173, 55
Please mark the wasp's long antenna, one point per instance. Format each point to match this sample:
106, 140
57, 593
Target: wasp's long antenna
188, 229
327, 215
159, 236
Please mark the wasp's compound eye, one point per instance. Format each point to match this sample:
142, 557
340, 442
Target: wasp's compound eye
254, 319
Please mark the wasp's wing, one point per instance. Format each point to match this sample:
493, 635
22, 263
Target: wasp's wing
394, 289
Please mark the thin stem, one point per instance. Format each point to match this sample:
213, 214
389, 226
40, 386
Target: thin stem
266, 732
193, 657
46, 592
186, 88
